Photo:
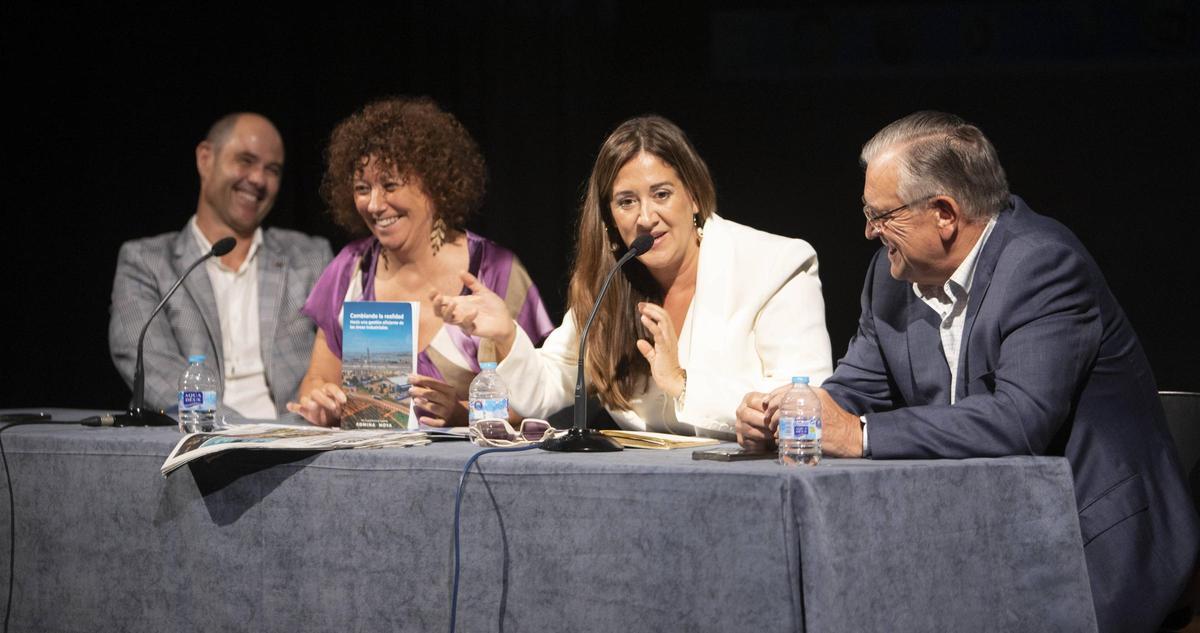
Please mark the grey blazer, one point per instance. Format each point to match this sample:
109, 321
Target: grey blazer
288, 262
1049, 365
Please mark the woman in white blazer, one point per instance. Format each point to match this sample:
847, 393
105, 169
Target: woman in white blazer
712, 311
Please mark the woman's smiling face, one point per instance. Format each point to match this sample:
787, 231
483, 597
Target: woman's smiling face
649, 197
395, 208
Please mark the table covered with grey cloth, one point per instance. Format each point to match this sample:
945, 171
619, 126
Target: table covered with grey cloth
633, 541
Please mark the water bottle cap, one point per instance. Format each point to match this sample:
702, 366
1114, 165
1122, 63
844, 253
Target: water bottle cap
487, 365
196, 358
799, 380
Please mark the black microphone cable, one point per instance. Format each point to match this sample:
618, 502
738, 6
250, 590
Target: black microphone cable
457, 507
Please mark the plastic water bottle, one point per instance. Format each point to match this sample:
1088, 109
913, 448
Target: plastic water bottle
197, 397
488, 395
800, 425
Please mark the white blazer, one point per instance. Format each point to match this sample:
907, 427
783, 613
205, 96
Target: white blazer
756, 320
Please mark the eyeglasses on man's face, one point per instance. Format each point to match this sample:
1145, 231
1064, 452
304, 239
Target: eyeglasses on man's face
878, 220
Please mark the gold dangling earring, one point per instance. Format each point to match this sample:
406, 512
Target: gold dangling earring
437, 236
699, 228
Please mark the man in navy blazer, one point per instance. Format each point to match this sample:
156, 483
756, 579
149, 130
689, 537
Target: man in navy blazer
988, 330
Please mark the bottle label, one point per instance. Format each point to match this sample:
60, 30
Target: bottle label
489, 408
202, 401
800, 429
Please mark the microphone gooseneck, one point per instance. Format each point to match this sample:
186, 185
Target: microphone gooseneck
137, 414
580, 438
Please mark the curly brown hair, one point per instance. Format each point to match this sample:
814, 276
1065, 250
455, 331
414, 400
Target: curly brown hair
416, 138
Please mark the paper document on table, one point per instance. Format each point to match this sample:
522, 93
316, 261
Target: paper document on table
659, 441
279, 437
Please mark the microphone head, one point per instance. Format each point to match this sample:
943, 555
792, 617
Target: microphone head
642, 243
223, 246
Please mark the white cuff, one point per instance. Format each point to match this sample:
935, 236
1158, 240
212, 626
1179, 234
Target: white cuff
866, 447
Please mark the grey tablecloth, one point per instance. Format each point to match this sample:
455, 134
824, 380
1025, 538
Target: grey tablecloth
632, 541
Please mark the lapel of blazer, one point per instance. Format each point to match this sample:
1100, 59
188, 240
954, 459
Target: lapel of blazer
980, 284
926, 360
712, 287
272, 279
200, 289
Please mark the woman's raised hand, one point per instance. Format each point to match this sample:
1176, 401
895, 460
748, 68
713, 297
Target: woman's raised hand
663, 353
481, 313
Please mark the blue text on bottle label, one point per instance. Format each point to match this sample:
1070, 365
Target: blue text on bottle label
197, 400
801, 429
489, 408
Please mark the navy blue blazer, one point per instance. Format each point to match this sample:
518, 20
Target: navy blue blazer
1048, 365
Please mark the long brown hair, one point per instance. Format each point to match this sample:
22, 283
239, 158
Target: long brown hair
615, 368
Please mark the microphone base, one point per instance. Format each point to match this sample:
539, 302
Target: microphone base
579, 440
143, 417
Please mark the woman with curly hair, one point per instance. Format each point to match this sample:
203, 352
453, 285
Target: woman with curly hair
713, 310
404, 175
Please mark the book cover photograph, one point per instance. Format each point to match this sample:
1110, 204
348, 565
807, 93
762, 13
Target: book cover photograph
379, 342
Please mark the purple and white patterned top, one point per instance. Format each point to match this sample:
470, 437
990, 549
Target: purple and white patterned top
495, 266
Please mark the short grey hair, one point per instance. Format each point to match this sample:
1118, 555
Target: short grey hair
941, 153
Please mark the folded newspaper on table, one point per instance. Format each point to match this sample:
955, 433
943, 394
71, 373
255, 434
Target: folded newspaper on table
660, 441
279, 437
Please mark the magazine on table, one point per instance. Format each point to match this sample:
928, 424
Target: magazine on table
285, 437
379, 343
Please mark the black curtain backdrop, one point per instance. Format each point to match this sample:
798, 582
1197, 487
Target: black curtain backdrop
1092, 106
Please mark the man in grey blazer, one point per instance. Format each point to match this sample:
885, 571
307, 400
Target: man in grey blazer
242, 310
988, 330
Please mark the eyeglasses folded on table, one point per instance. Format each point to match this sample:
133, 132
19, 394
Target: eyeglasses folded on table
499, 433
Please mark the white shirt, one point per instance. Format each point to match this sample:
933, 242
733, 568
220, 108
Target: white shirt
950, 302
236, 293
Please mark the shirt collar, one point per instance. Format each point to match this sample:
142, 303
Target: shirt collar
958, 286
206, 246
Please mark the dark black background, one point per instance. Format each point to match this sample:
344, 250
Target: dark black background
1092, 106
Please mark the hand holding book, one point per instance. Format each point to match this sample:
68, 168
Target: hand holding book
436, 403
321, 405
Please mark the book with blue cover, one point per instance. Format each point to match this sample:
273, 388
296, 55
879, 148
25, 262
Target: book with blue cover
379, 343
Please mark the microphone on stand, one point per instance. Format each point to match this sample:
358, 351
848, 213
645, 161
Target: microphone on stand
580, 438
138, 415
